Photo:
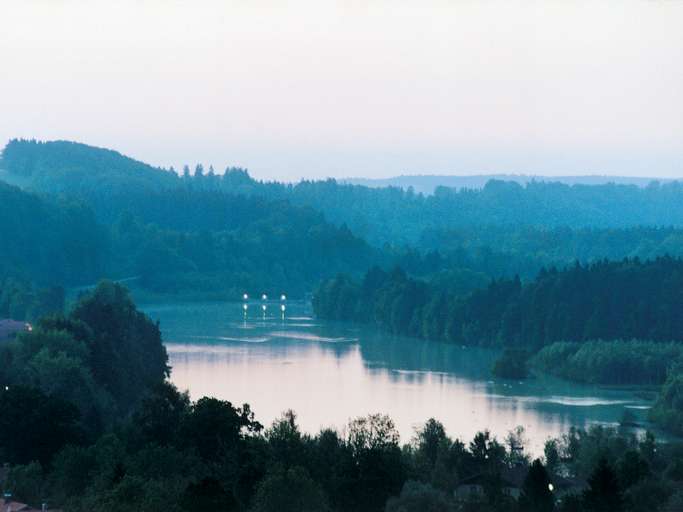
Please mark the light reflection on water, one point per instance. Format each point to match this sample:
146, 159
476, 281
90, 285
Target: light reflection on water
330, 373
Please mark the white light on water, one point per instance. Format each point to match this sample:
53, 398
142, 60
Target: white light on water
283, 297
245, 296
245, 307
283, 308
264, 307
264, 297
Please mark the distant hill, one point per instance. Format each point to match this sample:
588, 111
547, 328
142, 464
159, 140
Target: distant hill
113, 185
61, 166
427, 183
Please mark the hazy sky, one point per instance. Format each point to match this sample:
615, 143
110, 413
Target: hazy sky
349, 88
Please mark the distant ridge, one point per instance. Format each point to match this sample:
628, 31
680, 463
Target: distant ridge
426, 183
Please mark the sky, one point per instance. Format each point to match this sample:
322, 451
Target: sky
304, 89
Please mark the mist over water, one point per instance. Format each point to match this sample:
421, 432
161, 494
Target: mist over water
330, 373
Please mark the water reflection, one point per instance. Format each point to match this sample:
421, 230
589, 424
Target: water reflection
329, 373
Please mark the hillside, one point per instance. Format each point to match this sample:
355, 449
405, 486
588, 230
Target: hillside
93, 213
63, 166
49, 241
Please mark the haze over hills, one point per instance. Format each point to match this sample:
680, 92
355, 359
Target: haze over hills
426, 183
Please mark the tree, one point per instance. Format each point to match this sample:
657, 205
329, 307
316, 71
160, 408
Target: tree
285, 441
161, 414
631, 469
207, 494
290, 490
27, 483
419, 497
35, 426
536, 494
127, 356
603, 493
214, 427
381, 470
430, 440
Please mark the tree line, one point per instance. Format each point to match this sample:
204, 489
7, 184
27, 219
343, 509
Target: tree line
90, 423
624, 299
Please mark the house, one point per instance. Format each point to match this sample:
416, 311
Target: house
9, 328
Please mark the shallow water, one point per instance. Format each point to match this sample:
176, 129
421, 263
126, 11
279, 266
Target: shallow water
329, 373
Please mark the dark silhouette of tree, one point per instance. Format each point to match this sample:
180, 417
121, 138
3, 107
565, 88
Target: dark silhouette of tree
208, 494
603, 493
536, 494
35, 426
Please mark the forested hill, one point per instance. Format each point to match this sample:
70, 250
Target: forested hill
207, 231
208, 244
396, 216
393, 215
70, 167
380, 215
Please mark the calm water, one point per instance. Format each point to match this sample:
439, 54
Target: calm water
329, 373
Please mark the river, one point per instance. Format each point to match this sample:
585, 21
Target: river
329, 373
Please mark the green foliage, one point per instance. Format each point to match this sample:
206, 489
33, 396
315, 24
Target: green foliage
101, 358
170, 240
610, 362
27, 481
214, 427
606, 300
536, 495
208, 494
668, 409
603, 493
35, 426
419, 497
501, 251
51, 242
126, 355
19, 300
62, 166
379, 214
512, 364
110, 434
239, 467
290, 490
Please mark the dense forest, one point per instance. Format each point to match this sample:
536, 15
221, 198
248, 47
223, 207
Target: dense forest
504, 251
213, 235
84, 435
625, 300
605, 300
380, 215
204, 242
46, 240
